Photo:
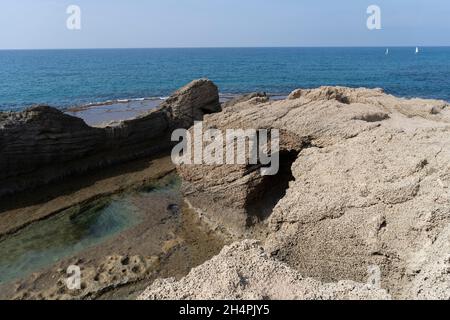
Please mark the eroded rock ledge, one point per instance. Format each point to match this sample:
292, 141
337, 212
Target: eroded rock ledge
365, 182
42, 144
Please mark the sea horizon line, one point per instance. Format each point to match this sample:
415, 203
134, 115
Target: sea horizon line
229, 47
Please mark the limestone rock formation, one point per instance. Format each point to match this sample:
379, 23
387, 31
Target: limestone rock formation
260, 96
42, 144
191, 103
244, 271
364, 181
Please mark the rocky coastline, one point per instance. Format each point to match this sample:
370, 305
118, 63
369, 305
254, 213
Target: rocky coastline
42, 144
363, 185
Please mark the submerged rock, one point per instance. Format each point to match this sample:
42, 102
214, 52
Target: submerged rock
114, 271
42, 144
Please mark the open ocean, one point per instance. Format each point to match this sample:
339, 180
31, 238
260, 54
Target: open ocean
64, 78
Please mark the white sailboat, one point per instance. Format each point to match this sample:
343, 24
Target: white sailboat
387, 51
417, 50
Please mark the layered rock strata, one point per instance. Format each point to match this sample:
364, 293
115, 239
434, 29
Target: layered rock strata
42, 144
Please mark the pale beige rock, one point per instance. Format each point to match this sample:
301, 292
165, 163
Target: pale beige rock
244, 271
369, 187
260, 97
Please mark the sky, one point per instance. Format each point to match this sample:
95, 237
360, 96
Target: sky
41, 24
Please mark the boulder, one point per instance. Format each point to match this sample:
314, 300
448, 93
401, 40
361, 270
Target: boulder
191, 103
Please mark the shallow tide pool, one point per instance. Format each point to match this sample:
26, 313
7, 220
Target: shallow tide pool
46, 242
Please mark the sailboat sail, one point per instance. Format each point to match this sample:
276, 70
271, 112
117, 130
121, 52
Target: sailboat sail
417, 50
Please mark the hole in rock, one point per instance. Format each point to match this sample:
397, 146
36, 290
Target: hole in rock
269, 190
342, 99
207, 111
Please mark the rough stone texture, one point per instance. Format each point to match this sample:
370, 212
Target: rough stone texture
192, 102
261, 97
369, 186
244, 271
113, 272
42, 144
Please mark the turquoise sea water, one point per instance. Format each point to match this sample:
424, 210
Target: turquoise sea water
64, 78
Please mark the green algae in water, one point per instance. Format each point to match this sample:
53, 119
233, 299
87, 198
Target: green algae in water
46, 242
168, 183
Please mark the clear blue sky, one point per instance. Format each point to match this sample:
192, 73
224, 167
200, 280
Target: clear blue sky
30, 24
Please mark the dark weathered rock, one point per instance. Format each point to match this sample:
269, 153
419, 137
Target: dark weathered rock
42, 144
